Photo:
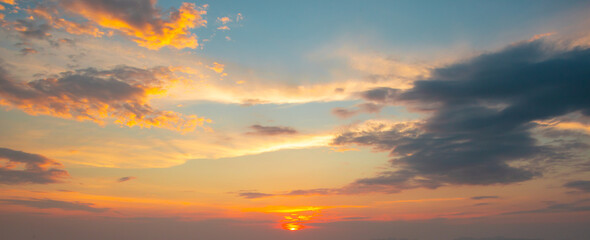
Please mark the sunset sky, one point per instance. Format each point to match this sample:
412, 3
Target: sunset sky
425, 120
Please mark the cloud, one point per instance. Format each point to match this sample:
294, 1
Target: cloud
224, 20
53, 18
481, 204
142, 21
30, 29
577, 206
360, 108
482, 114
125, 179
37, 169
579, 185
481, 117
121, 93
217, 67
48, 203
271, 130
252, 195
27, 51
484, 197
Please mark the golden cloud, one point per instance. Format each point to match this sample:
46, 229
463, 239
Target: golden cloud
121, 94
143, 22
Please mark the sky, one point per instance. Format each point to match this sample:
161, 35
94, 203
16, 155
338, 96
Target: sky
422, 120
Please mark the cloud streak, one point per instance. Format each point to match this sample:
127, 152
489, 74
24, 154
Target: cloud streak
125, 179
37, 169
49, 203
484, 197
271, 130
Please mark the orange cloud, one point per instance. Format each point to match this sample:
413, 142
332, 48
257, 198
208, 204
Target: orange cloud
142, 21
539, 36
565, 125
11, 2
121, 94
224, 20
217, 67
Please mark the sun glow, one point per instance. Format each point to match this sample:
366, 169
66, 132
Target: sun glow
292, 226
294, 221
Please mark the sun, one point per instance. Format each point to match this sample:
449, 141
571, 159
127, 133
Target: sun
292, 226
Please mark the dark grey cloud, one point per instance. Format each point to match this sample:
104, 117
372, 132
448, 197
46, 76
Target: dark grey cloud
37, 169
125, 179
49, 203
482, 114
481, 117
381, 95
271, 130
579, 185
484, 197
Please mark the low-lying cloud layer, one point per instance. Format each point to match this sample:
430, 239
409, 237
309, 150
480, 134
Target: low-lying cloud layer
37, 169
